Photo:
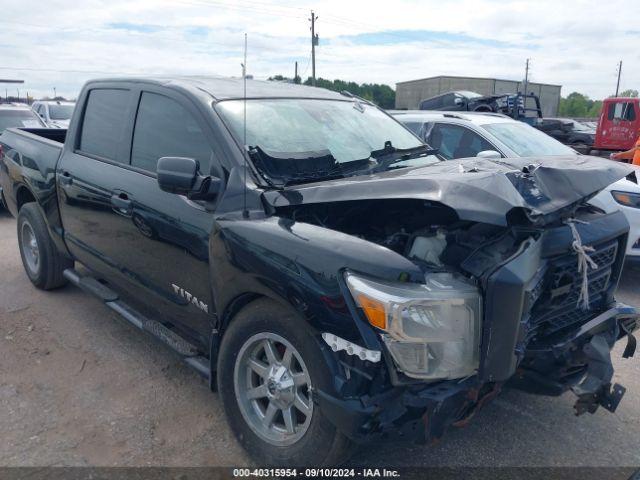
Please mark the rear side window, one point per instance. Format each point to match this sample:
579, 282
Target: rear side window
164, 128
621, 111
454, 141
103, 127
431, 103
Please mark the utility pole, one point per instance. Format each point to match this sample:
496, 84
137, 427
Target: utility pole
526, 77
55, 94
619, 74
295, 75
314, 43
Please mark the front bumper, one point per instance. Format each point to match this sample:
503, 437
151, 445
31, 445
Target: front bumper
423, 412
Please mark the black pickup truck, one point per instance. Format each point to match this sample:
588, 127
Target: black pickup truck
332, 277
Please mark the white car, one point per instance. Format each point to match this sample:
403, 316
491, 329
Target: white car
18, 115
54, 113
471, 134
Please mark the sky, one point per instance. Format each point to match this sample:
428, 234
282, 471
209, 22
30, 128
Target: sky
577, 44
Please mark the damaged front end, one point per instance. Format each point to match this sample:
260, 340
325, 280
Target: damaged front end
518, 274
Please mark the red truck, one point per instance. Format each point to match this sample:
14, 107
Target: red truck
618, 124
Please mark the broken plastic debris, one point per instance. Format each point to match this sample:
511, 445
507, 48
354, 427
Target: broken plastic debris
338, 344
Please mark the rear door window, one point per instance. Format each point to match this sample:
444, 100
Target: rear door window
104, 124
455, 141
164, 128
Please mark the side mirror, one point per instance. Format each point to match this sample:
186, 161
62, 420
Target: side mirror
489, 154
458, 101
180, 175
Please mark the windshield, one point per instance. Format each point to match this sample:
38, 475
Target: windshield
527, 141
349, 131
319, 135
18, 118
60, 112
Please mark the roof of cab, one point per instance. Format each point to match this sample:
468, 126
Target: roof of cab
225, 88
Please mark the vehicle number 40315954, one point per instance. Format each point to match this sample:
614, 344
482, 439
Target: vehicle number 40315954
316, 472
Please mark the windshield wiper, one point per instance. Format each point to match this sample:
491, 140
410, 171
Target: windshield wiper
296, 178
390, 155
286, 168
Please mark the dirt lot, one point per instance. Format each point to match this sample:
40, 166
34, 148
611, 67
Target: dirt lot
79, 386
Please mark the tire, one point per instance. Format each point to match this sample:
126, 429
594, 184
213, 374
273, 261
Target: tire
314, 441
42, 262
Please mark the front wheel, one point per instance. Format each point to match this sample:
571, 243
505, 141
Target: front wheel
268, 367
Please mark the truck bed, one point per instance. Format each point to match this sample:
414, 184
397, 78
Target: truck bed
30, 156
38, 148
57, 135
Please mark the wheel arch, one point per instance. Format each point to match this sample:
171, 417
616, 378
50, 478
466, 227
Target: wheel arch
228, 313
23, 195
231, 311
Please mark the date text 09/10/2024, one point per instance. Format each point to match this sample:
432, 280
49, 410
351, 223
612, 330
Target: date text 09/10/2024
316, 472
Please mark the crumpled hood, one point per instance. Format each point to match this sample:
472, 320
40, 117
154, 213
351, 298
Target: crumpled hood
478, 189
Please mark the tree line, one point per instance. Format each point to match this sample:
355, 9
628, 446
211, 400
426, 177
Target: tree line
578, 105
382, 95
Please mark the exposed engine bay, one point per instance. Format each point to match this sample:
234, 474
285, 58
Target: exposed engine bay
428, 233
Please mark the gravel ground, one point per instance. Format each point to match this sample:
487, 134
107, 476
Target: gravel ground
79, 386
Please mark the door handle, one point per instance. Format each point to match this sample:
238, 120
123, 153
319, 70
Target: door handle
121, 203
65, 178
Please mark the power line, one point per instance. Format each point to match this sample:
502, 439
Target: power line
237, 6
101, 72
306, 67
126, 31
243, 6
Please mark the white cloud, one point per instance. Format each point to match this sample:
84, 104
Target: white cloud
576, 44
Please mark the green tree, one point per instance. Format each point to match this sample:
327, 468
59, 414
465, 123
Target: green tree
595, 109
579, 105
629, 93
382, 95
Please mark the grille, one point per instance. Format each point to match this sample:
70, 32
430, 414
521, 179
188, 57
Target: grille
555, 296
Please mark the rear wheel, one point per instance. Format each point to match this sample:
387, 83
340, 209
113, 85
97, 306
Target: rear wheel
268, 367
41, 260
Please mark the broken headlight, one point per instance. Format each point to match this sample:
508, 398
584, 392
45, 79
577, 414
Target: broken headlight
432, 330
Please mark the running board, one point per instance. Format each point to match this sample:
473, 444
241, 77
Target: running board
112, 300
